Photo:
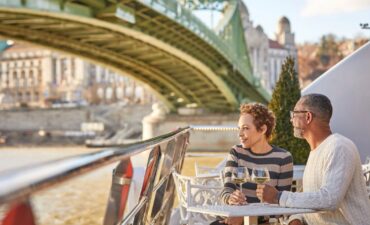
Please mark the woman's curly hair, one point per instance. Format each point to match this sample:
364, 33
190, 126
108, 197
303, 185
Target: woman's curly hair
261, 116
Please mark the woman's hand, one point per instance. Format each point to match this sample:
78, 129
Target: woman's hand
237, 198
233, 221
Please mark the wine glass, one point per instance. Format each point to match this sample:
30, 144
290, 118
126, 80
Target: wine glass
240, 175
260, 175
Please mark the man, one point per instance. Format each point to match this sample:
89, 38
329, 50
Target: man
333, 179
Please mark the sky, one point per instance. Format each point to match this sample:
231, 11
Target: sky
310, 19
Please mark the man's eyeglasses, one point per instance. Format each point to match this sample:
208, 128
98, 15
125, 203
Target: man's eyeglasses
292, 113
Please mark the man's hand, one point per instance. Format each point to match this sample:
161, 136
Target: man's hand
295, 222
267, 193
237, 198
233, 221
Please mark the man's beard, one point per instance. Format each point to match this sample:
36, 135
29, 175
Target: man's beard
298, 132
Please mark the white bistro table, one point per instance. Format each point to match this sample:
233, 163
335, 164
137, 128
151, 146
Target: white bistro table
250, 212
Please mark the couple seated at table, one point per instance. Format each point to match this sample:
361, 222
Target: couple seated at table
254, 153
332, 181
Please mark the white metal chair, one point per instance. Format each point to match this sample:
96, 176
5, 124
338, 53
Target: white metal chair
366, 172
205, 171
196, 191
297, 178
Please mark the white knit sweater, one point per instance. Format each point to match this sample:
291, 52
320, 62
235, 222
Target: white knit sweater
332, 181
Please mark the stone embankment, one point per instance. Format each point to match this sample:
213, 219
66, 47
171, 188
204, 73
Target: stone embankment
63, 125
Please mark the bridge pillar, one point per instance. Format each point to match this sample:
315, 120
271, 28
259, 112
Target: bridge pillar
152, 121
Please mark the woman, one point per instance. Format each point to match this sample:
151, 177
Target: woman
256, 124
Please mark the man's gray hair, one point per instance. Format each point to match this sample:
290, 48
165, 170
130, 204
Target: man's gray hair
319, 104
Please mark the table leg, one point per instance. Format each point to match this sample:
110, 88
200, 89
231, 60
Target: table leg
250, 220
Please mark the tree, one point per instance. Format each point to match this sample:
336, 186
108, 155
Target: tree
284, 98
328, 50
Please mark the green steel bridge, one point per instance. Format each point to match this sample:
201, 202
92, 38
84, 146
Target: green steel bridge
159, 43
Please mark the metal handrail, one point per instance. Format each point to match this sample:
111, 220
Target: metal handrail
214, 128
18, 184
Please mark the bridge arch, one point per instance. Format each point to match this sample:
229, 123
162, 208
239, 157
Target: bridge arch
176, 77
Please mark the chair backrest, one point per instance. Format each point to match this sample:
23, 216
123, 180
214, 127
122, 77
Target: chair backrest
367, 177
204, 171
297, 178
221, 165
196, 191
366, 173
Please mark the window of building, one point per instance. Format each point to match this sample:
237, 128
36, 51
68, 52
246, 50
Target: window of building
129, 91
37, 97
109, 93
139, 92
28, 96
23, 79
102, 75
92, 73
15, 79
63, 69
73, 68
53, 71
32, 82
39, 77
101, 93
119, 92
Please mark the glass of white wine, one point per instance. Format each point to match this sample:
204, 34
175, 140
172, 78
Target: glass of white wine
260, 175
240, 175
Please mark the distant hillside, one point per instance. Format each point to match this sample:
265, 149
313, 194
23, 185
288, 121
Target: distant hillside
316, 58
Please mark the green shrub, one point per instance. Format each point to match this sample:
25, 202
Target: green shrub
284, 98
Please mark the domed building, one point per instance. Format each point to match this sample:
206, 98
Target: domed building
283, 25
267, 55
284, 36
280, 48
